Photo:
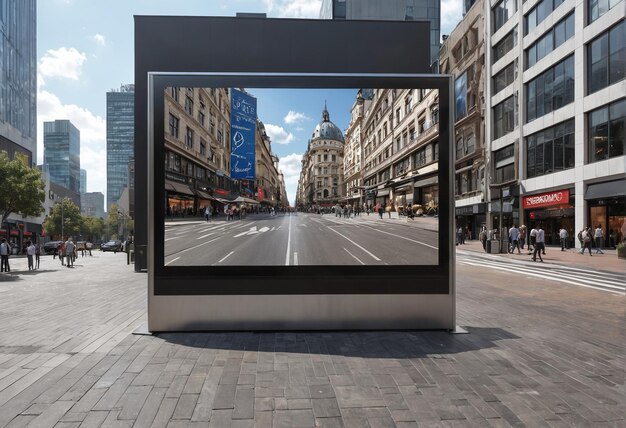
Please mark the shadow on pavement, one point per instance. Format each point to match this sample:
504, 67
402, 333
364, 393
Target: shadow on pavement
364, 344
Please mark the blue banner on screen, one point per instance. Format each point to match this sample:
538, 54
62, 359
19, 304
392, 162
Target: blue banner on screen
242, 129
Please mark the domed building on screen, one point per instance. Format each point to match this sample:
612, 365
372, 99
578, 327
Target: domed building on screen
321, 178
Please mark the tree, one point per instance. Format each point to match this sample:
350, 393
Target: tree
22, 190
69, 212
92, 228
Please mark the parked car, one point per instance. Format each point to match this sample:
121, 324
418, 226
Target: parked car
113, 245
51, 247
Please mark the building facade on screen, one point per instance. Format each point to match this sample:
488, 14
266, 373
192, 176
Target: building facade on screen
61, 154
120, 123
555, 115
92, 204
388, 10
198, 160
18, 80
321, 178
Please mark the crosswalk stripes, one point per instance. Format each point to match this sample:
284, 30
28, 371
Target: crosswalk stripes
588, 278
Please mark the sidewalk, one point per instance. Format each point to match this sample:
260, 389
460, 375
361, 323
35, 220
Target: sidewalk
607, 261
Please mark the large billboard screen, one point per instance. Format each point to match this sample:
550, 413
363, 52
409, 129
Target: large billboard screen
275, 179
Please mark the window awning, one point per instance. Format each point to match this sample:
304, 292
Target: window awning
204, 195
609, 189
178, 187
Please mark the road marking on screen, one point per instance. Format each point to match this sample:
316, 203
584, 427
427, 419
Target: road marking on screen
204, 236
355, 257
295, 258
288, 244
350, 240
198, 246
172, 261
227, 256
175, 237
404, 237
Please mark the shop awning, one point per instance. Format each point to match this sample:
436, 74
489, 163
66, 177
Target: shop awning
204, 195
426, 182
178, 187
610, 189
245, 200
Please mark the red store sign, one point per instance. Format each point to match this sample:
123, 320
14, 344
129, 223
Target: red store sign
560, 197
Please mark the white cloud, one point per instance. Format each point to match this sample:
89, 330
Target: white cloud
62, 62
451, 15
99, 39
294, 117
92, 136
293, 8
290, 166
278, 134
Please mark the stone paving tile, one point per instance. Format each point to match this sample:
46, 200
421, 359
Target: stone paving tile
532, 358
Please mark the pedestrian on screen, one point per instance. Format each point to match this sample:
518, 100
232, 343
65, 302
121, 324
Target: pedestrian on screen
5, 249
539, 243
563, 235
380, 210
37, 256
61, 251
30, 254
207, 212
598, 235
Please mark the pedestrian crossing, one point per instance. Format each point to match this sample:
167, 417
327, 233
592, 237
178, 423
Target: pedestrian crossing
610, 282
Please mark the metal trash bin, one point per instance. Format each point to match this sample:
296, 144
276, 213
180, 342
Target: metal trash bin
493, 246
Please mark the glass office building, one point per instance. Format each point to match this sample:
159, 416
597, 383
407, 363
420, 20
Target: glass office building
61, 153
18, 79
83, 181
120, 140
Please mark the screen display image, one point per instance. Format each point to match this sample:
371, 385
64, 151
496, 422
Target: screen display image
300, 177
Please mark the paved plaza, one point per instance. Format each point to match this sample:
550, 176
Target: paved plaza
539, 353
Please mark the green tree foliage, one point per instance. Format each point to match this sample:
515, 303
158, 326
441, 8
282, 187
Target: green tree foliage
92, 228
21, 188
72, 220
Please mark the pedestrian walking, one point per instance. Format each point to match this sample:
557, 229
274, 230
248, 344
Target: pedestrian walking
599, 237
459, 236
563, 235
5, 249
37, 256
586, 238
380, 210
514, 235
539, 243
69, 251
61, 251
30, 254
522, 236
533, 240
482, 236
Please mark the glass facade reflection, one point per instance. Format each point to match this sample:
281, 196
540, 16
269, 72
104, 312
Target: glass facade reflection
18, 74
120, 140
61, 152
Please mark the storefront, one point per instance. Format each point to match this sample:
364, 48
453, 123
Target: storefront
427, 195
606, 203
382, 196
179, 199
554, 210
471, 218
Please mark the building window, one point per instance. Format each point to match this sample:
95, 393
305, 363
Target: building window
459, 148
174, 122
607, 58
539, 13
551, 90
189, 138
175, 93
434, 114
419, 158
333, 158
607, 131
202, 147
505, 117
201, 114
550, 41
504, 167
436, 151
412, 135
597, 8
470, 145
189, 105
550, 150
402, 167
505, 77
505, 45
502, 12
220, 134
460, 97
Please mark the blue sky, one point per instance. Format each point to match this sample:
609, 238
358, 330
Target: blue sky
85, 48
